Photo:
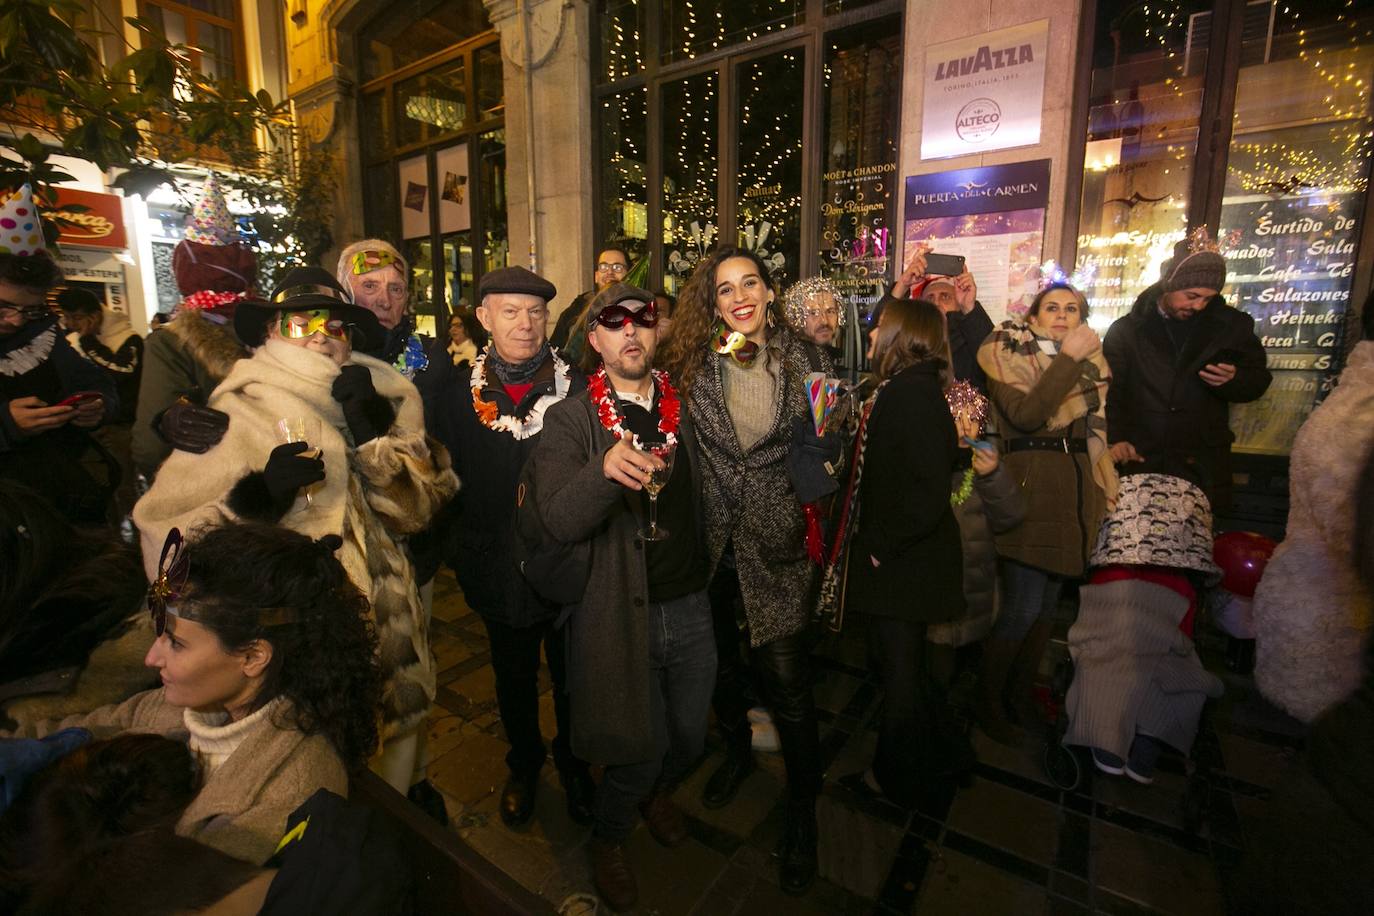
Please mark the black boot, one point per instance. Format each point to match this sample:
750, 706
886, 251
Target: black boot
726, 780
797, 854
580, 791
517, 799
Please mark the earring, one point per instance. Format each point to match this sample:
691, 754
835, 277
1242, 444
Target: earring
772, 317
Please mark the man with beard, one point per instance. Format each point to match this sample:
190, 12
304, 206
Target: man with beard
957, 299
643, 659
490, 413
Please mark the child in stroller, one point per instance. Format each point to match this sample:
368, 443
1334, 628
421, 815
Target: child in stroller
1138, 684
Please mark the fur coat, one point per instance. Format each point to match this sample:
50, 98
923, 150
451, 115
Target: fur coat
1312, 615
373, 496
188, 357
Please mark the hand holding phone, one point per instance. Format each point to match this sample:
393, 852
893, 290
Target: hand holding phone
79, 398
944, 265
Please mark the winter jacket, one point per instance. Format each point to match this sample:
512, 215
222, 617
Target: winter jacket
1156, 401
608, 637
477, 531
1312, 614
905, 519
188, 357
1064, 504
119, 351
569, 330
242, 808
373, 496
36, 361
995, 506
748, 496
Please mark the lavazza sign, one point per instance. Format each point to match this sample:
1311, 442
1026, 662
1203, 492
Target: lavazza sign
985, 92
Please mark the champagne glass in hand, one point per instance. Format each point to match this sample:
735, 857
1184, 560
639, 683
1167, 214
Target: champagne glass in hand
658, 479
300, 429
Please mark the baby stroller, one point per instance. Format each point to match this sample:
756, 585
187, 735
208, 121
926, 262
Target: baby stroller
1134, 684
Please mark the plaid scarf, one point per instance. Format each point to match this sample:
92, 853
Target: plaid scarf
1013, 356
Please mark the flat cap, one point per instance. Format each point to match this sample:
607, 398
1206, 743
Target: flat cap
615, 294
516, 280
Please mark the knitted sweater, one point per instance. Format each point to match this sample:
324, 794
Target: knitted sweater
243, 804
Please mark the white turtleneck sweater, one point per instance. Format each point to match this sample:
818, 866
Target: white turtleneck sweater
214, 738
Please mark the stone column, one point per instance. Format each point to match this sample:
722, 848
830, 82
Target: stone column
545, 47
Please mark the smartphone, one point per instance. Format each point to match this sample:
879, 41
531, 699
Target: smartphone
983, 444
944, 265
76, 400
1229, 355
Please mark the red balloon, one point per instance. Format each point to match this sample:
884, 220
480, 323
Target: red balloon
1242, 556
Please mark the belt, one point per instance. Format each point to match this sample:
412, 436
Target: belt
1045, 444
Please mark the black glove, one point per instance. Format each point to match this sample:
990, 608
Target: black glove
191, 427
367, 413
288, 470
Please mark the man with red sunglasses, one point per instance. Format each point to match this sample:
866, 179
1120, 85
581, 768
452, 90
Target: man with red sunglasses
643, 659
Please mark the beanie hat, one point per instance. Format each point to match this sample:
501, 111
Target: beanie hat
20, 231
1197, 264
1159, 520
210, 223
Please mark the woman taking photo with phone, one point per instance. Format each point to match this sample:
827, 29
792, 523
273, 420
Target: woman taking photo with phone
269, 672
741, 372
905, 562
1047, 379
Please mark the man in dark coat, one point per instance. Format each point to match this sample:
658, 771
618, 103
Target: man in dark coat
42, 440
642, 657
1179, 360
965, 319
489, 415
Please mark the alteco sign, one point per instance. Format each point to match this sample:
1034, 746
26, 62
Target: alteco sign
984, 92
88, 219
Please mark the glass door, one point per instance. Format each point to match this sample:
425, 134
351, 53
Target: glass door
689, 151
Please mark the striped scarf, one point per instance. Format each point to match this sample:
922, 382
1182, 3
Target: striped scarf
830, 604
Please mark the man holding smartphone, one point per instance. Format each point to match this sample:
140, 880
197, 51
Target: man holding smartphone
957, 298
43, 439
1179, 360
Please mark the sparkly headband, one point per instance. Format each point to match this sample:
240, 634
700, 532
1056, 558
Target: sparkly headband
368, 260
799, 293
310, 289
1051, 274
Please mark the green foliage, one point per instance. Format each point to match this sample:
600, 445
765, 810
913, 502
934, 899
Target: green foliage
148, 113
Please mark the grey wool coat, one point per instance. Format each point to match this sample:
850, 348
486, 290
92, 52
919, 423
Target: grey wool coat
747, 496
608, 633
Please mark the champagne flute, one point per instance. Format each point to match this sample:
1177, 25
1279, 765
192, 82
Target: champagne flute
658, 479
301, 429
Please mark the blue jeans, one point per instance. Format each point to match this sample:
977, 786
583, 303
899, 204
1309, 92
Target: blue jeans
1027, 595
682, 667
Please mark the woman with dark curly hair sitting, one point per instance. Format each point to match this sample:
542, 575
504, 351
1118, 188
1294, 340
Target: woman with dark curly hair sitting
269, 672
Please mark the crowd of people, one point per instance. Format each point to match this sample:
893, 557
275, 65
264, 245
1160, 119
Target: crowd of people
660, 518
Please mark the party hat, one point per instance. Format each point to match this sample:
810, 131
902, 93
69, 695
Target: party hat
210, 223
20, 231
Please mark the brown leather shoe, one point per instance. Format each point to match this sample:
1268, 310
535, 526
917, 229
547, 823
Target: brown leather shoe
612, 876
665, 820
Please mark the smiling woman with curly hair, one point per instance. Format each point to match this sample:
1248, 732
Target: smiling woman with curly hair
269, 671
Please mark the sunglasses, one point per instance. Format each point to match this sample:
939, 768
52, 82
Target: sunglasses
300, 325
172, 569
364, 262
615, 317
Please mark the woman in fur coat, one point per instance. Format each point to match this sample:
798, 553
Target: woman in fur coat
374, 477
1312, 613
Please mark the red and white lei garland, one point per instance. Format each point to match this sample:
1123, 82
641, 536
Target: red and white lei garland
490, 416
669, 411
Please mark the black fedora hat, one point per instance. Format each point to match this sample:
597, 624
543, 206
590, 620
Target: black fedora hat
301, 290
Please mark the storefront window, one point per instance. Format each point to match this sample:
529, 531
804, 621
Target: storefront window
402, 36
769, 183
622, 39
1147, 85
625, 203
690, 169
432, 104
691, 27
1295, 187
859, 175
493, 187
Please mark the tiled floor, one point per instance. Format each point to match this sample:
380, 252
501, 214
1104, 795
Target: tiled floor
1008, 842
